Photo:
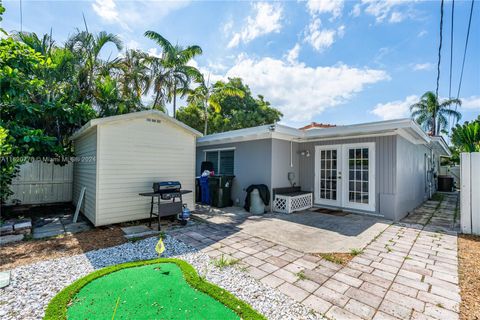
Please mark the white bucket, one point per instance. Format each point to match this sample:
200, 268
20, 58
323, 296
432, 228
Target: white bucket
256, 203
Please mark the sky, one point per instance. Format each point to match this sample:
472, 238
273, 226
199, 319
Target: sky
338, 62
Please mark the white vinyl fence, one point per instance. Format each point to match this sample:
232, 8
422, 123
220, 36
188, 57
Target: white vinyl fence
40, 182
470, 192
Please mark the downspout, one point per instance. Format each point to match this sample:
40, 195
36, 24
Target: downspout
291, 154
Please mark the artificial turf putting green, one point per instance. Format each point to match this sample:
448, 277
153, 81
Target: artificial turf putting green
153, 291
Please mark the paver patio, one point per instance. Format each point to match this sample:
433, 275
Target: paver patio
409, 271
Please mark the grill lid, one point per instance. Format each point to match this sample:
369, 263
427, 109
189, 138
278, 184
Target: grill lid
167, 186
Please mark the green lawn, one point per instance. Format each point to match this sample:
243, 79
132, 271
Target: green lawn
155, 291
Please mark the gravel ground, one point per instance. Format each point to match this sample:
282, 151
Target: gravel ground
469, 271
32, 286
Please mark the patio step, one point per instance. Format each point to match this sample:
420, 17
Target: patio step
138, 232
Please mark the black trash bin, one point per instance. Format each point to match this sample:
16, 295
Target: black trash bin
445, 183
221, 190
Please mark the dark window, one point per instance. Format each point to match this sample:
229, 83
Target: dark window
226, 162
212, 156
222, 161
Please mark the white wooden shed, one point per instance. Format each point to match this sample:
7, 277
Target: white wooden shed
118, 157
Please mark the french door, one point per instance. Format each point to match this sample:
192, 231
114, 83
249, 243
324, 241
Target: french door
345, 176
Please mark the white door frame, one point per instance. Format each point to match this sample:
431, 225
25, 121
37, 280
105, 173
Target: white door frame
318, 200
371, 177
343, 176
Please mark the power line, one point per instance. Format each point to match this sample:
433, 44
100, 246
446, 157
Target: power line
464, 56
451, 62
465, 51
451, 51
439, 49
21, 17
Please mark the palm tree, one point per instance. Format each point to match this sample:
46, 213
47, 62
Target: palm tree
87, 47
466, 137
107, 97
31, 39
172, 76
132, 73
210, 96
432, 114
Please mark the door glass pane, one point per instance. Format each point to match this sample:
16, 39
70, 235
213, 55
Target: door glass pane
328, 177
358, 175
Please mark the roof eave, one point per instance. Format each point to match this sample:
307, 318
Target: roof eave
94, 122
443, 145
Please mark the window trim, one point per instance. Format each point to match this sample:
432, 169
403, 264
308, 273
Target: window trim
218, 150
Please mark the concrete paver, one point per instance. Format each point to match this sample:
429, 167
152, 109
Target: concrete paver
408, 271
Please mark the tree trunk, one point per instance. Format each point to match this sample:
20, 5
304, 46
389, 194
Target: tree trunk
206, 117
174, 101
156, 99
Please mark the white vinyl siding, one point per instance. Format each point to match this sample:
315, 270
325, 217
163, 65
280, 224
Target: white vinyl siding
85, 172
132, 155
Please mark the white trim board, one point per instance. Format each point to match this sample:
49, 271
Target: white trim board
405, 128
219, 149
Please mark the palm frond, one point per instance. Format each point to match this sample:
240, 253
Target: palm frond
103, 38
161, 41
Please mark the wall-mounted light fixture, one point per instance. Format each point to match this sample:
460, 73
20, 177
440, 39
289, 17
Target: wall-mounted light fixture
305, 153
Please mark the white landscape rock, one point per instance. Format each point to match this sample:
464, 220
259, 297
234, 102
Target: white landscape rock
32, 286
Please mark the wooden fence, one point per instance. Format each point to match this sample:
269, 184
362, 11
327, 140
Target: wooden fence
40, 182
470, 192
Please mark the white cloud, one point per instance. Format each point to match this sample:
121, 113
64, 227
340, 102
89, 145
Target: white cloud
300, 91
396, 17
471, 103
341, 31
357, 10
334, 7
106, 9
292, 54
395, 109
132, 44
422, 33
227, 27
384, 10
235, 41
266, 19
320, 39
154, 52
134, 13
401, 108
422, 66
217, 66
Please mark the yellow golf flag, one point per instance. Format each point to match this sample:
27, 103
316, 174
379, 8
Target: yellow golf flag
160, 247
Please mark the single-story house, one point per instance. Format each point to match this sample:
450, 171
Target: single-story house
384, 168
118, 157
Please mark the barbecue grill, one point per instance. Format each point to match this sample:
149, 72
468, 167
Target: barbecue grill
167, 198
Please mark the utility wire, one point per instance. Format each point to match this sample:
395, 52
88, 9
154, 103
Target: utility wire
464, 56
465, 51
451, 62
439, 50
21, 17
451, 51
